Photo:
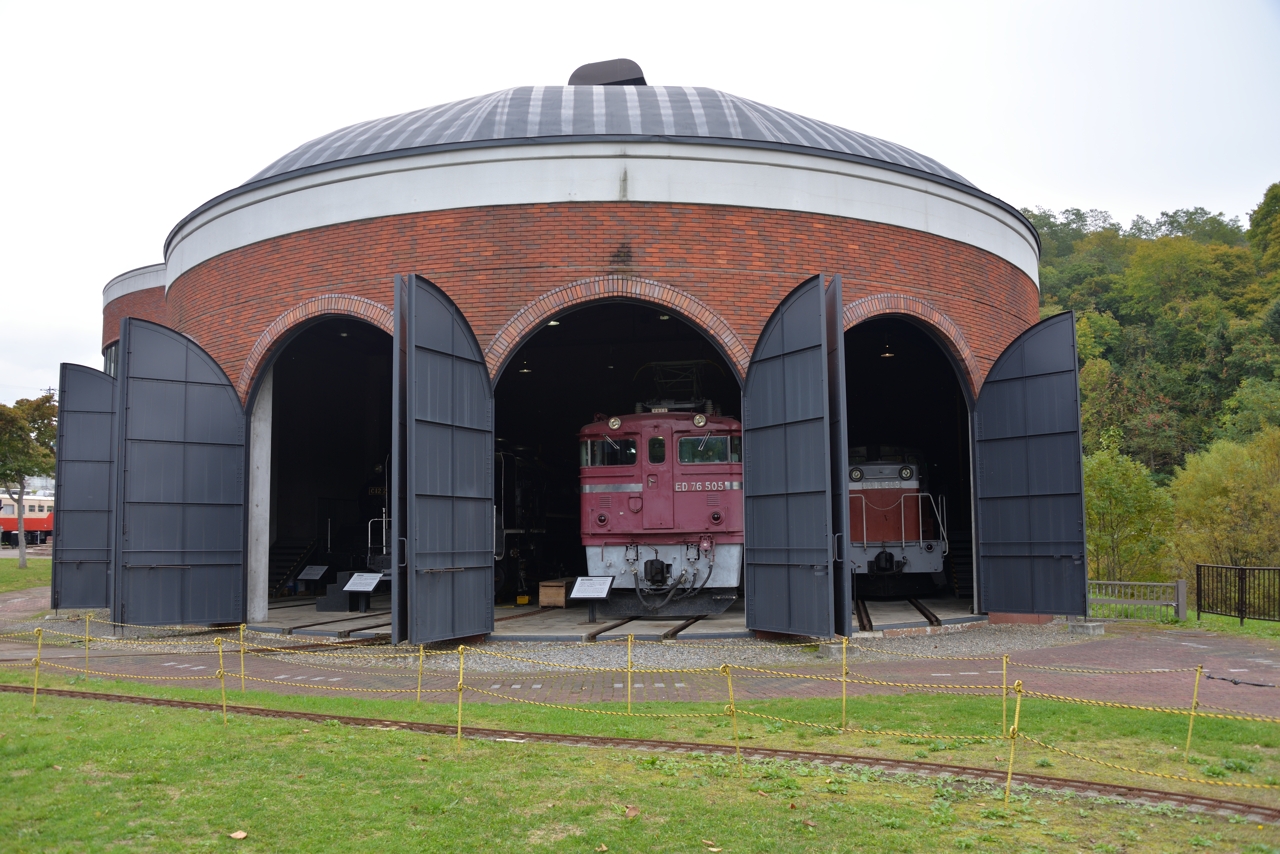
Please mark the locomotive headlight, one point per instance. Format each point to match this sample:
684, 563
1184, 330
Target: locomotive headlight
855, 474
716, 518
602, 519
699, 420
615, 422
905, 473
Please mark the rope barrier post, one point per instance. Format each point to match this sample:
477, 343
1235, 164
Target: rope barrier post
35, 686
461, 665
1004, 694
87, 618
629, 640
1013, 737
733, 714
222, 677
420, 654
1195, 702
844, 685
242, 628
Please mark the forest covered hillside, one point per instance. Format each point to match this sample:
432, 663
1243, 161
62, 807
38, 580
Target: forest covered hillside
1178, 327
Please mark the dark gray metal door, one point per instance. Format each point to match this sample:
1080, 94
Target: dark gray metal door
85, 476
448, 471
399, 382
787, 471
179, 544
1029, 476
842, 577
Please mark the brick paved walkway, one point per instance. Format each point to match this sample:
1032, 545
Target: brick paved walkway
1224, 656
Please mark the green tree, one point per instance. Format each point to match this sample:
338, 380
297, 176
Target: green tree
1201, 226
1127, 516
1254, 407
1264, 230
1227, 503
28, 432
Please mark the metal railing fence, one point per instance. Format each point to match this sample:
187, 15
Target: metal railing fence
1246, 592
1138, 600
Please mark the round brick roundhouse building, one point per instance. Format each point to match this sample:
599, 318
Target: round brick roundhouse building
580, 248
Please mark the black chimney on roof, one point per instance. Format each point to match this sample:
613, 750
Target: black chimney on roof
611, 72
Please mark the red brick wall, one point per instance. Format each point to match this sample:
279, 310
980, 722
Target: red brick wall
146, 305
740, 262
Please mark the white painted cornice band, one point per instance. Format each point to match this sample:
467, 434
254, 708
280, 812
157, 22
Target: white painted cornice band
662, 172
135, 280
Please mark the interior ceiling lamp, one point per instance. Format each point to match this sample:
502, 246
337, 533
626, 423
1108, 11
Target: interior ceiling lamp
887, 354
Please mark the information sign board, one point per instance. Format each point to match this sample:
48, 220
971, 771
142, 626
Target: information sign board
363, 582
311, 573
588, 587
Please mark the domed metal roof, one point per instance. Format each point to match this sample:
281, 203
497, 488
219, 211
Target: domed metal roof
580, 113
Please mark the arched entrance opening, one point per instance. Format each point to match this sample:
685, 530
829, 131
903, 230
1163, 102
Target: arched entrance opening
604, 359
330, 437
908, 409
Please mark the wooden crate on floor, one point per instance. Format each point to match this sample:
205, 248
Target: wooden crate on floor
555, 593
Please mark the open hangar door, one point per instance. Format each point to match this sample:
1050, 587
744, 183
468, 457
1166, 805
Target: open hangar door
178, 506
330, 447
907, 412
793, 415
442, 466
1030, 483
903, 404
602, 360
85, 479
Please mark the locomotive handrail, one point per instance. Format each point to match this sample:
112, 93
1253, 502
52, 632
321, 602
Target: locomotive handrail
942, 523
942, 527
864, 519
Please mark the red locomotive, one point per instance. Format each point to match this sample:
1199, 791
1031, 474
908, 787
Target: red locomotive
897, 529
662, 511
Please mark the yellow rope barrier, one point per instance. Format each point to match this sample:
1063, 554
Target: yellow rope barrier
732, 709
461, 663
1163, 710
1012, 733
844, 684
222, 677
1126, 769
338, 688
1098, 671
35, 685
1013, 737
1004, 694
1191, 720
420, 673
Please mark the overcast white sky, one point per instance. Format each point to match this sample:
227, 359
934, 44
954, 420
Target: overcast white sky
119, 118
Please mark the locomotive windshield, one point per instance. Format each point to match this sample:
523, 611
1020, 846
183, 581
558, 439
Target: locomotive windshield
711, 449
607, 452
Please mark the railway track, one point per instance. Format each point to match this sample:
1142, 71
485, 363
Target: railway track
1132, 794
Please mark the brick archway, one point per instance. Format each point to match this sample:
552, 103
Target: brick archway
534, 315
326, 304
883, 305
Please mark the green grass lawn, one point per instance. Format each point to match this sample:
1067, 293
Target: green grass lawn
1231, 626
37, 573
92, 776
1229, 751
